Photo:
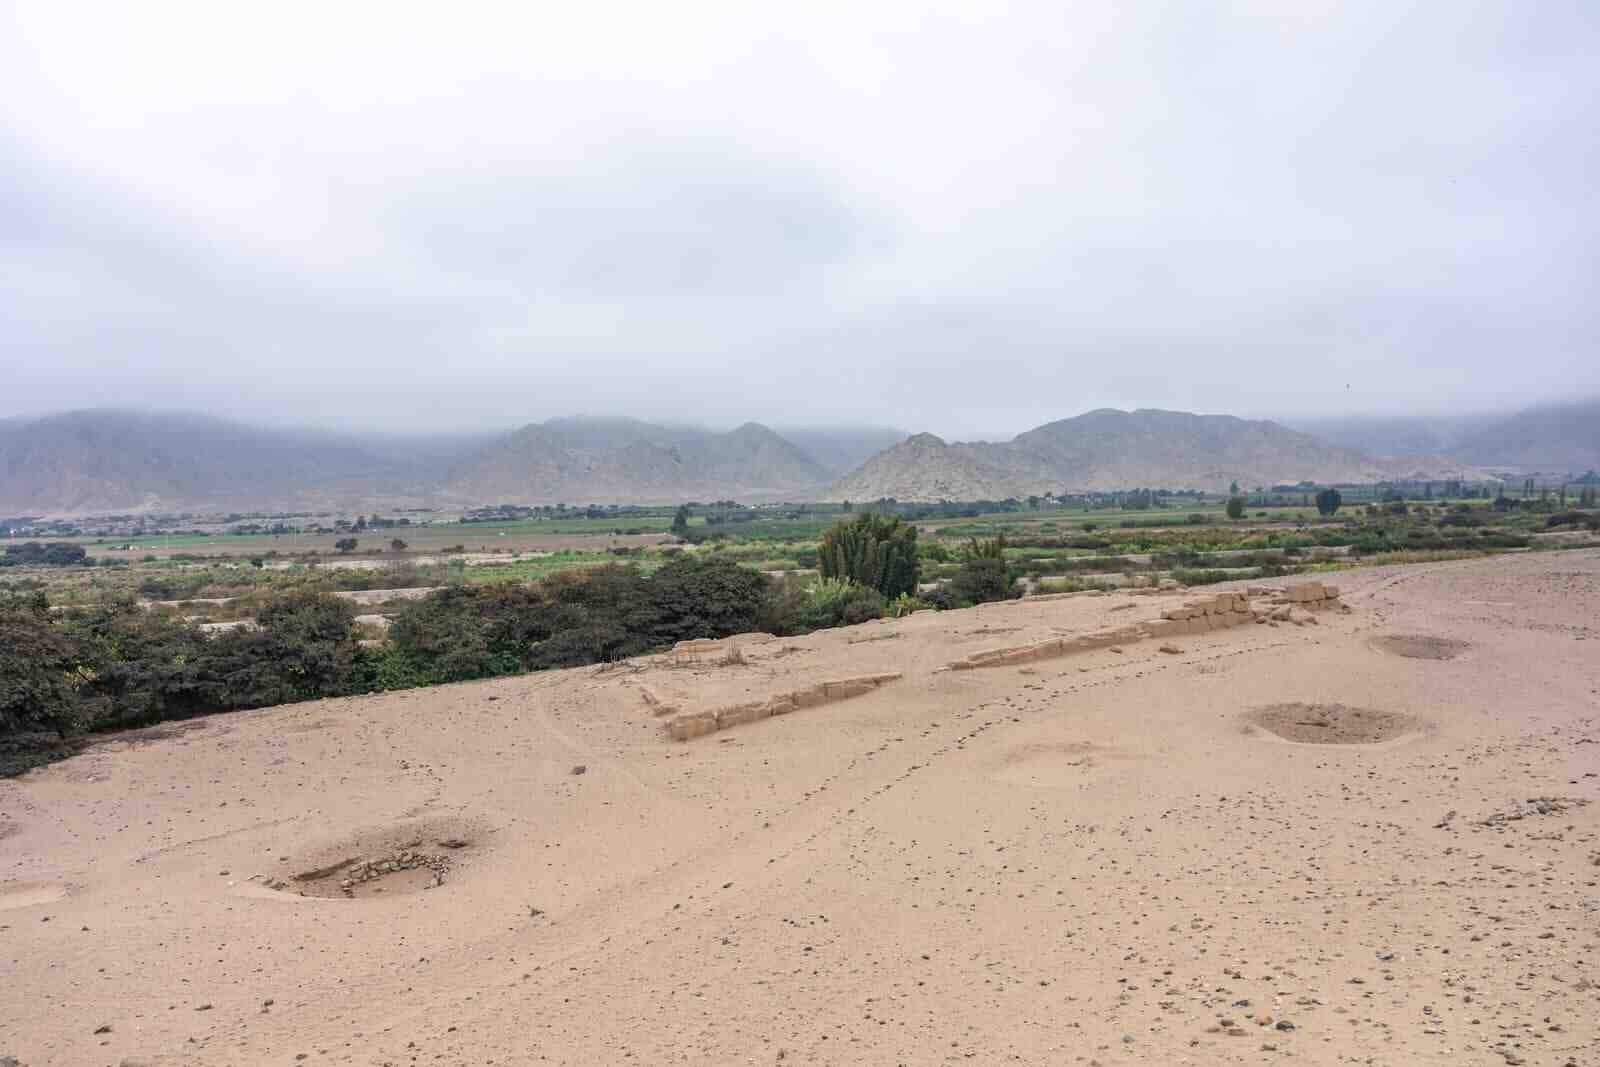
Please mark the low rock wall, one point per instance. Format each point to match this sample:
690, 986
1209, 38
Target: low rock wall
1198, 615
699, 723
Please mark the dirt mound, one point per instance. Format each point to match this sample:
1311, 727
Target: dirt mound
407, 857
1420, 646
27, 894
1332, 724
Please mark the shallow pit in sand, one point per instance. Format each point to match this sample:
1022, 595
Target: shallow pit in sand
1331, 724
1420, 646
406, 857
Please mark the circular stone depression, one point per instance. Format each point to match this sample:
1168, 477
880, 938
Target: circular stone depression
1332, 724
1420, 646
407, 857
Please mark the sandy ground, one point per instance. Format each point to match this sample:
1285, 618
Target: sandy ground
1108, 858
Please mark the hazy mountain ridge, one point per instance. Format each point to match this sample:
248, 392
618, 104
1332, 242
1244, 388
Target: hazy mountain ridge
1392, 435
109, 460
1551, 438
841, 449
102, 461
1112, 449
627, 460
112, 461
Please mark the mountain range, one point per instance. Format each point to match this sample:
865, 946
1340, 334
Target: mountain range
619, 459
1110, 449
110, 461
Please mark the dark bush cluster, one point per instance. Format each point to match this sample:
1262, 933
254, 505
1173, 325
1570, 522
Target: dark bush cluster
70, 672
569, 619
984, 576
122, 666
1573, 518
48, 554
799, 607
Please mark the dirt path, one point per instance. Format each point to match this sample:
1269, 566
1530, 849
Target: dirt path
1103, 858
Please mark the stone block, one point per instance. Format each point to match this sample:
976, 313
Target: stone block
810, 696
692, 724
739, 714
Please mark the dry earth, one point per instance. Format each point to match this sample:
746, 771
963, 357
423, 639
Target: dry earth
1105, 858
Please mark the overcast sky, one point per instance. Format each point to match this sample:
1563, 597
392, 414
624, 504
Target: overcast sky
966, 218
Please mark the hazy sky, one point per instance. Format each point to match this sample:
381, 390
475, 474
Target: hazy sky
959, 218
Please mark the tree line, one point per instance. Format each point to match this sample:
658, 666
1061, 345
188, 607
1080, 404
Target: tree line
81, 669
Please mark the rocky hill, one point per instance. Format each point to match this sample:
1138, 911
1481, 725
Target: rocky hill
1109, 449
626, 460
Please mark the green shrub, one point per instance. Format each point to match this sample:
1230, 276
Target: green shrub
904, 605
980, 580
994, 548
872, 550
823, 603
705, 598
147, 667
42, 670
576, 617
305, 648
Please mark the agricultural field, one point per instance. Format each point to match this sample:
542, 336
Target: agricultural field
215, 573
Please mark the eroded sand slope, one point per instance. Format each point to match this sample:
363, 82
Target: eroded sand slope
1109, 856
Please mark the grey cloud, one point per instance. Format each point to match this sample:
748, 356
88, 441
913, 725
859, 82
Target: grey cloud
662, 223
962, 226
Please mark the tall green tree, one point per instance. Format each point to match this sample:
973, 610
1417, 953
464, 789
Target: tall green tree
1329, 502
873, 550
